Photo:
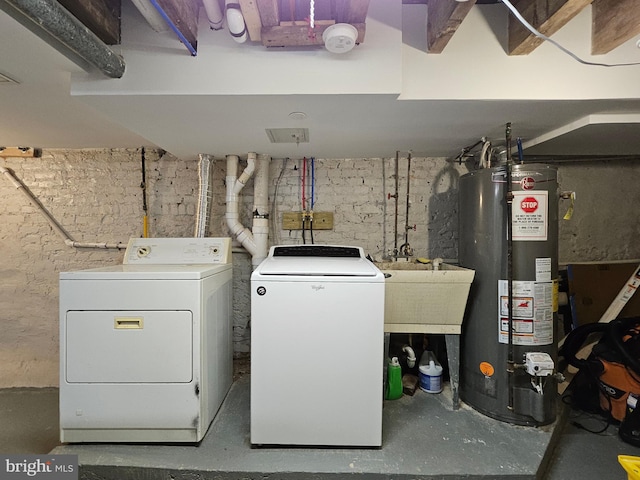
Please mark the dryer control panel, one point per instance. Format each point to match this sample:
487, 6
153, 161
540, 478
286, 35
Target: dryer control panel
178, 251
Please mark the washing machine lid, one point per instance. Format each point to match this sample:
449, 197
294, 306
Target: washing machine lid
317, 260
147, 272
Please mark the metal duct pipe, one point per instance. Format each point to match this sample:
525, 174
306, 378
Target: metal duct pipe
204, 195
55, 25
68, 240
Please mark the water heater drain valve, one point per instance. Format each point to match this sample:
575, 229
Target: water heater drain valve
538, 364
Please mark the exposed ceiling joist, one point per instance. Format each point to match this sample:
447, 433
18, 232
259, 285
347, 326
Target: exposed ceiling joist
351, 11
252, 20
102, 17
614, 22
184, 16
283, 23
546, 16
443, 19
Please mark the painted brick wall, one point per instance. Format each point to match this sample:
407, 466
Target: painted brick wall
96, 196
605, 224
356, 191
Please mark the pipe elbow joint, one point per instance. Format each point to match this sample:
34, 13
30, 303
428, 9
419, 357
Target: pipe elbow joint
411, 356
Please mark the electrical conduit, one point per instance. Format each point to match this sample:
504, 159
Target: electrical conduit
52, 221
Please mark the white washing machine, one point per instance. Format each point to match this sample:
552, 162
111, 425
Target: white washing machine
146, 349
317, 348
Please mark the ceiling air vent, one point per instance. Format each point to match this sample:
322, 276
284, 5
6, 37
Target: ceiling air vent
288, 135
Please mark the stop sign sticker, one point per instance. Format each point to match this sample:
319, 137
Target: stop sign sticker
529, 215
529, 204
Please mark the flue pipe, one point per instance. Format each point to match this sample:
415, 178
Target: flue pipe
55, 25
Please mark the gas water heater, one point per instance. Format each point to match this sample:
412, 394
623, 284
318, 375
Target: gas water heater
509, 345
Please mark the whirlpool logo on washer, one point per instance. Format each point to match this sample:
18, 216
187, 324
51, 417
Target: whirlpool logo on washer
261, 290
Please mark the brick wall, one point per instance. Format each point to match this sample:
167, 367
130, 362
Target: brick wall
96, 196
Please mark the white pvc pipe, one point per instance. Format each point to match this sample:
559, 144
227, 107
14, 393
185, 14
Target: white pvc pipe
214, 14
234, 186
246, 173
411, 356
261, 210
261, 186
235, 21
256, 240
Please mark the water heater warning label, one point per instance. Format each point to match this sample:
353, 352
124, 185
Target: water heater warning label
530, 215
532, 312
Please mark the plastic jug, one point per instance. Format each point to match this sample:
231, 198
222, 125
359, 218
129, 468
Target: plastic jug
394, 380
430, 373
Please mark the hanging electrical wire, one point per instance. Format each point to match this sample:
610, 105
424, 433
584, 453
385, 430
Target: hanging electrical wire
143, 186
273, 216
304, 200
531, 28
313, 194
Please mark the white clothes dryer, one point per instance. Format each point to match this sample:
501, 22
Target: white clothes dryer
146, 352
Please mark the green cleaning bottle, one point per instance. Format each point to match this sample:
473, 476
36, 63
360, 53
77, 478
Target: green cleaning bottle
394, 380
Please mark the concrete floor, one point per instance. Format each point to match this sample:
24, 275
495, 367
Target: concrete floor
424, 438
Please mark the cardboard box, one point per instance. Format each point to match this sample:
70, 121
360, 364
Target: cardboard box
593, 286
419, 299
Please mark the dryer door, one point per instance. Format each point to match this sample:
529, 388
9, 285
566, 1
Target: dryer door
129, 346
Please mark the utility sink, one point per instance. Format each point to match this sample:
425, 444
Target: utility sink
421, 299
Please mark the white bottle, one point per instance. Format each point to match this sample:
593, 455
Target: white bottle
430, 373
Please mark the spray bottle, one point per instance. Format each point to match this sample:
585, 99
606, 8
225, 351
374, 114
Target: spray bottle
394, 380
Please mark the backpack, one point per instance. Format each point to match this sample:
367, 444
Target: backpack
611, 371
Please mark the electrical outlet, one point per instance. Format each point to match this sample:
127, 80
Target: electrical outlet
321, 221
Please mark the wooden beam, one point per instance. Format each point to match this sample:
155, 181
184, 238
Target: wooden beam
350, 11
251, 16
23, 152
278, 30
546, 16
184, 15
269, 12
613, 23
102, 17
443, 19
298, 35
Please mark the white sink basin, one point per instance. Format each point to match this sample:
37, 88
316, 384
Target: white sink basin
419, 299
